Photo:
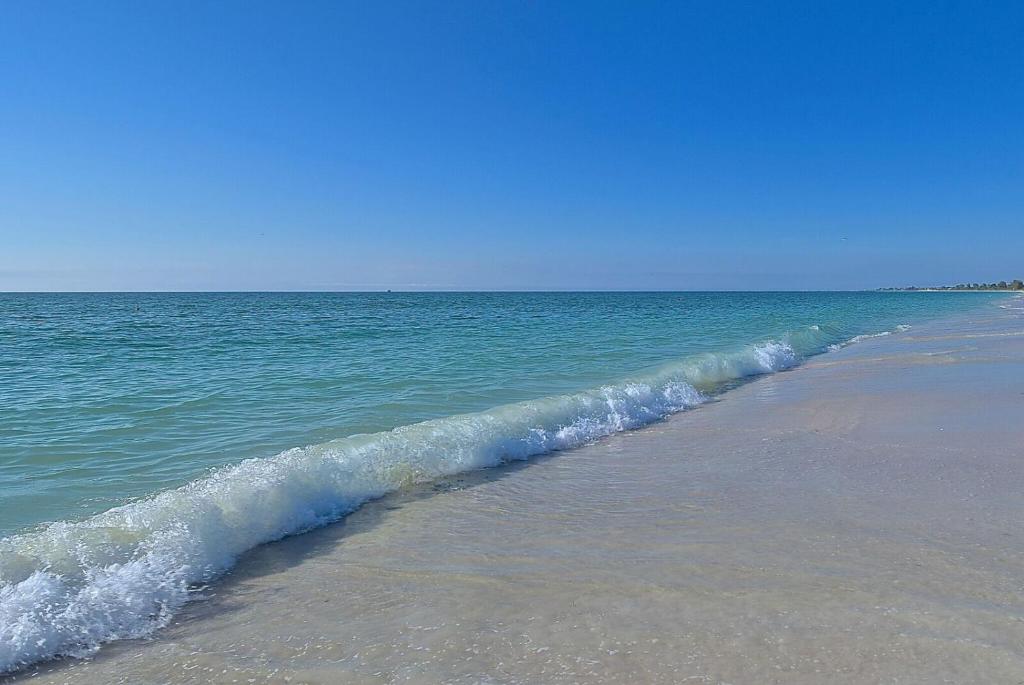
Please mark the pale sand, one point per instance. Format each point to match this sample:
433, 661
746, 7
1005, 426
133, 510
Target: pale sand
856, 520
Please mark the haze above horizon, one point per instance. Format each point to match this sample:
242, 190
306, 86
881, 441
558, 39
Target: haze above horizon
486, 146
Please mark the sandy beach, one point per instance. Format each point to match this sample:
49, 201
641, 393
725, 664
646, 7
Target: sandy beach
511, 343
855, 520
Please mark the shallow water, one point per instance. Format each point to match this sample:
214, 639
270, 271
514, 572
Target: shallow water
110, 397
105, 397
853, 521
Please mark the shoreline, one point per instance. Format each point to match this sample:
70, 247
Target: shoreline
740, 540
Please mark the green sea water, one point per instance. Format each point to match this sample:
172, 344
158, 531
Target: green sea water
146, 440
107, 397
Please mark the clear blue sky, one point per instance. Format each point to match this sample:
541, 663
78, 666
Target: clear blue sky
482, 145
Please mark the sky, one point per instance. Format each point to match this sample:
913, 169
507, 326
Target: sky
513, 145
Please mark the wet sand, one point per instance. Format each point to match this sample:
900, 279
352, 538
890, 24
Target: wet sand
855, 520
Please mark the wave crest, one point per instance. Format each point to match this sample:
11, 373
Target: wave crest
123, 573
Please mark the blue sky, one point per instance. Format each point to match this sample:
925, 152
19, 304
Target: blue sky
483, 145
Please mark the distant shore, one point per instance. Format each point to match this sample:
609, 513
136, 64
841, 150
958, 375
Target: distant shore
1014, 286
949, 290
858, 521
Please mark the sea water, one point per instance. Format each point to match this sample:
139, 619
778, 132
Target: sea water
146, 440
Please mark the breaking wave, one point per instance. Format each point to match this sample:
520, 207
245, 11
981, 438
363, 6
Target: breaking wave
69, 586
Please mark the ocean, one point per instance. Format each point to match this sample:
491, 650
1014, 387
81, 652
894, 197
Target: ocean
147, 440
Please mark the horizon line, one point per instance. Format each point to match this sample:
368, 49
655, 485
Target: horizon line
482, 291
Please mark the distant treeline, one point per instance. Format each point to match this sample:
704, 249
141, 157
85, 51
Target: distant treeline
1016, 284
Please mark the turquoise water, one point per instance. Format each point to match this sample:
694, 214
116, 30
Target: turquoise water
259, 415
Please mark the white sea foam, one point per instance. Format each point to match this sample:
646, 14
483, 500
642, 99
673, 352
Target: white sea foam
123, 573
1016, 302
861, 338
